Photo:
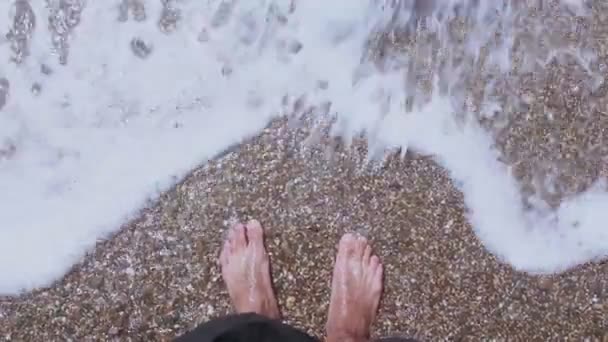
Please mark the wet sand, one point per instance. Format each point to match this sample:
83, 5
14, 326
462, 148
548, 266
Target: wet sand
158, 277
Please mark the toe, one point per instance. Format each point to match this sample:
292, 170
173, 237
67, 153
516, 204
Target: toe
255, 233
374, 262
380, 273
348, 244
378, 279
347, 239
237, 237
359, 248
367, 255
374, 271
344, 248
376, 289
223, 259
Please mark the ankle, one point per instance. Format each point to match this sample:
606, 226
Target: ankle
345, 339
265, 308
343, 336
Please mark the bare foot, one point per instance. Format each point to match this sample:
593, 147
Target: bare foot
355, 291
246, 271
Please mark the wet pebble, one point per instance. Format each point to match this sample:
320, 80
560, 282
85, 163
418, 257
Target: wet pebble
140, 48
545, 283
4, 91
294, 47
169, 19
222, 15
290, 302
36, 88
123, 11
45, 69
24, 24
7, 150
203, 36
136, 8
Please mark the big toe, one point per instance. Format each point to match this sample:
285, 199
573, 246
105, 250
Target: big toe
347, 245
255, 233
237, 238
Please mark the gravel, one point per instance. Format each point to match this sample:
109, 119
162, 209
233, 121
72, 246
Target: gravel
158, 277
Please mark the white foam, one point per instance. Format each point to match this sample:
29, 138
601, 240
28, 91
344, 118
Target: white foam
110, 130
529, 241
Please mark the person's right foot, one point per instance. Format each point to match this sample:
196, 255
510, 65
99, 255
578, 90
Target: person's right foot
355, 291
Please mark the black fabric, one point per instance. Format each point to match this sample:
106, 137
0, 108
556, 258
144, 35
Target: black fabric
245, 328
253, 328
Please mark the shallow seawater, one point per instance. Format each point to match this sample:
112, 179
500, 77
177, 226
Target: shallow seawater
104, 105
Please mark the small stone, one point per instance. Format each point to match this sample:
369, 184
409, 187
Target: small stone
45, 69
36, 88
322, 84
97, 282
139, 11
294, 47
203, 36
291, 301
140, 48
545, 283
222, 14
113, 331
123, 11
4, 91
169, 19
226, 70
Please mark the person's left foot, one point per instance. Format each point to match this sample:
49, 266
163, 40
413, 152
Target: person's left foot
246, 271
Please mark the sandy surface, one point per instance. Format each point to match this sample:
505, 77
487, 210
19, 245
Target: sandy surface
158, 277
